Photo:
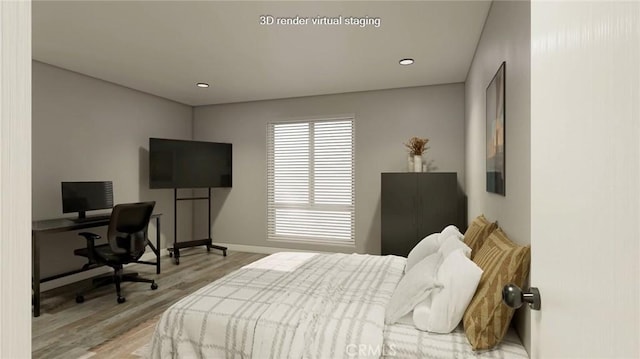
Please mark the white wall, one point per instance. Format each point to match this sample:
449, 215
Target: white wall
585, 178
384, 120
15, 174
505, 37
87, 129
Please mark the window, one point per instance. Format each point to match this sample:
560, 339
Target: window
310, 181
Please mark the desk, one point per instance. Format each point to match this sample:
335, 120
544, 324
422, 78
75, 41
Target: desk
39, 228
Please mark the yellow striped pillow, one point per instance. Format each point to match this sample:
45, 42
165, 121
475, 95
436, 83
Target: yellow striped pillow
487, 319
477, 233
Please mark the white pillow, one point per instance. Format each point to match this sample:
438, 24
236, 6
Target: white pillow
442, 312
430, 244
451, 244
414, 287
451, 230
407, 319
426, 247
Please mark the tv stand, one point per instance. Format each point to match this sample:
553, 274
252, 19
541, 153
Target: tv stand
175, 251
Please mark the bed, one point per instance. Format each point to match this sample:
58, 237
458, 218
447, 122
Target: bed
305, 305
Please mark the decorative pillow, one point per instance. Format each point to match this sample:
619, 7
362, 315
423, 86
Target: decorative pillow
487, 319
451, 244
426, 247
430, 245
477, 233
443, 311
414, 287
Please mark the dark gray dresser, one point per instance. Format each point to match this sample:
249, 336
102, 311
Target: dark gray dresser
414, 205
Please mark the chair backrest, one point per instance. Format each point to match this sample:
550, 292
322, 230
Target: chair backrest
127, 233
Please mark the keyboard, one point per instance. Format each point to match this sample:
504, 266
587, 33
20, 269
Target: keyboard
91, 219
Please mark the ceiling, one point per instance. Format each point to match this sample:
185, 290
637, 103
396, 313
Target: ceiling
165, 47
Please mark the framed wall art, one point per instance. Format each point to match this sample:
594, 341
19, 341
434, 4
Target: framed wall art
495, 97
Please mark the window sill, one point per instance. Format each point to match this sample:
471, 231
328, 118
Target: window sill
314, 242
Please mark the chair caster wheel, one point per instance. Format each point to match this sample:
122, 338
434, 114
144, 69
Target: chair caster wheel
121, 300
170, 254
177, 260
154, 286
79, 299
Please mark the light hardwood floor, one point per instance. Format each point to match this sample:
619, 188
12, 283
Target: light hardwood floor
69, 330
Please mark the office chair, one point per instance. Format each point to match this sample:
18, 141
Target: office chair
126, 242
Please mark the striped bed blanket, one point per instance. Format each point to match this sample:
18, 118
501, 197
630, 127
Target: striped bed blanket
287, 305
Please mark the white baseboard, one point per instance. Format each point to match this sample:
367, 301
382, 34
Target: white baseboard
260, 249
148, 256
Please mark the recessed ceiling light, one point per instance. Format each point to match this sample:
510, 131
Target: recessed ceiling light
202, 85
406, 61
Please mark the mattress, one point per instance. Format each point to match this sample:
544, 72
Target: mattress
405, 341
295, 305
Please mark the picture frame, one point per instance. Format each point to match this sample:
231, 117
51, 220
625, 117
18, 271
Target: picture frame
495, 132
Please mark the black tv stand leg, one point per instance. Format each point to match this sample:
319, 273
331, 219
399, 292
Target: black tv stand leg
220, 248
174, 252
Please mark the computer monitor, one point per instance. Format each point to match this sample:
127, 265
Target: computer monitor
86, 196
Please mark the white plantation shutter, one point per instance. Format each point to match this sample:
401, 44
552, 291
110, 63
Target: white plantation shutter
310, 175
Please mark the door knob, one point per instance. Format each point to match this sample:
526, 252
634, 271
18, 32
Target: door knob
513, 297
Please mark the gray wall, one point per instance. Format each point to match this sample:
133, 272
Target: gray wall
384, 120
87, 129
506, 37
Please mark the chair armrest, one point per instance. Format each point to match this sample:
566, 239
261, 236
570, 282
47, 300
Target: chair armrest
90, 237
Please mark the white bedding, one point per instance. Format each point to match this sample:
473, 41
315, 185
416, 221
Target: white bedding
302, 305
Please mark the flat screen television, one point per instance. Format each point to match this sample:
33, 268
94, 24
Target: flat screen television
189, 164
86, 196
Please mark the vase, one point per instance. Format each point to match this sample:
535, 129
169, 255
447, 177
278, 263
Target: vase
417, 163
410, 165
